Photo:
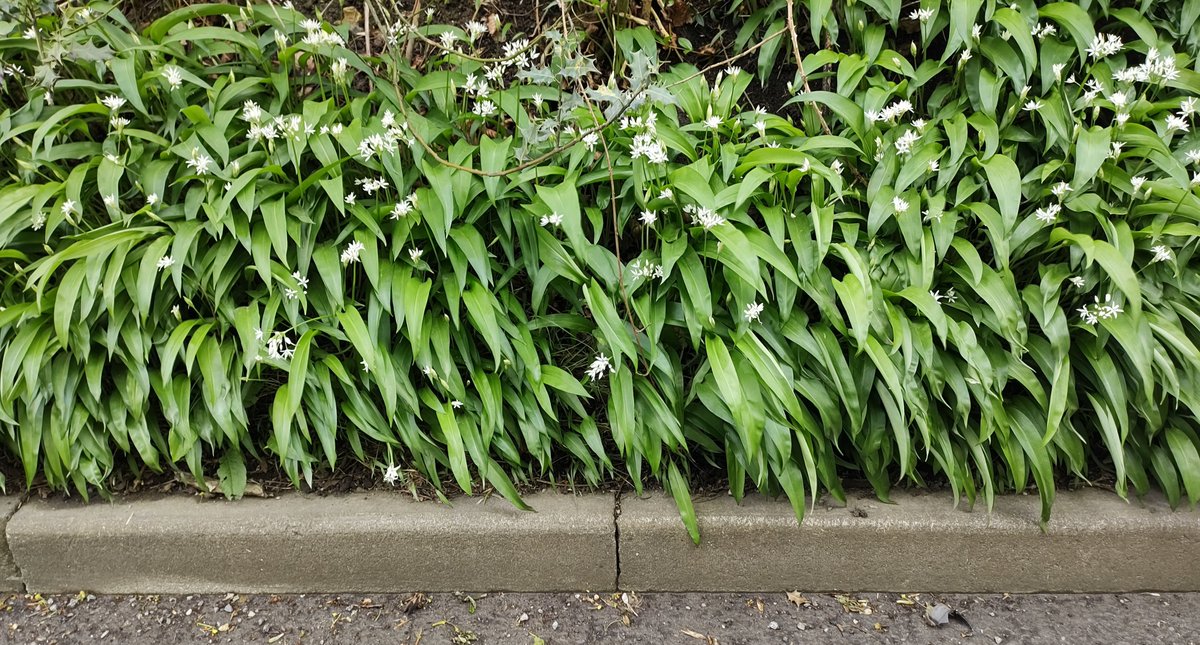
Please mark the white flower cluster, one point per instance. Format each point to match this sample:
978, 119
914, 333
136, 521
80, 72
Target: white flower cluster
263, 126
646, 269
316, 35
1042, 30
923, 15
1161, 253
949, 297
350, 254
905, 143
301, 282
405, 206
279, 346
199, 162
371, 184
702, 216
600, 366
646, 143
1104, 45
1048, 214
890, 113
553, 219
1100, 310
387, 141
753, 311
1155, 69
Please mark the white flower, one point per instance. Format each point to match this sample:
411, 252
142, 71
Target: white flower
1031, 106
1077, 281
645, 269
1100, 310
1058, 69
1137, 182
1048, 214
392, 474
590, 140
1115, 151
251, 112
933, 165
1060, 189
600, 367
1193, 155
645, 145
905, 143
456, 404
537, 100
1188, 105
713, 122
338, 70
666, 193
553, 219
199, 161
39, 220
1119, 99
118, 122
805, 165
1040, 31
175, 311
922, 15
1161, 253
1196, 179
976, 31
1176, 122
1104, 45
151, 199
110, 200
1122, 117
475, 29
301, 281
966, 56
113, 102
648, 218
899, 204
165, 262
113, 159
836, 166
753, 311
484, 108
352, 251
415, 253
733, 70
68, 207
707, 218
174, 76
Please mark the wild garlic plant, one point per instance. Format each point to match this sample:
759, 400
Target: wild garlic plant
961, 250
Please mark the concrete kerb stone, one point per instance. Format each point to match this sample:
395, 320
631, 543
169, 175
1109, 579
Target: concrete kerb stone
10, 576
1095, 542
298, 543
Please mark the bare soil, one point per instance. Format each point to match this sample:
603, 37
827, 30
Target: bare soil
656, 619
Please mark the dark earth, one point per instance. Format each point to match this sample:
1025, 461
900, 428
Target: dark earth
533, 619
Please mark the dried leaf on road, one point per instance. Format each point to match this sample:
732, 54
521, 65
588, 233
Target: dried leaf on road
853, 605
797, 599
698, 636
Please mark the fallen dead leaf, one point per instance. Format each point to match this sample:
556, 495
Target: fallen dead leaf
796, 598
698, 636
853, 605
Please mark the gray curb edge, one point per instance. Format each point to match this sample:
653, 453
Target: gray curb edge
380, 542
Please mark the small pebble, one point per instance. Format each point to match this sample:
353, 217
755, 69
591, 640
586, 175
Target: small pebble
801, 626
772, 625
554, 625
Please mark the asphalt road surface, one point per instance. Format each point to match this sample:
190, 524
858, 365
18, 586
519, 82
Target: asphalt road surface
533, 619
